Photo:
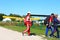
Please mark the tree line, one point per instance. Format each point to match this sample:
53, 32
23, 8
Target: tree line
13, 15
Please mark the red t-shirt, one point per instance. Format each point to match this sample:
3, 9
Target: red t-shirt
50, 19
27, 20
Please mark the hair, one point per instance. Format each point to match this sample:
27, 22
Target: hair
52, 13
27, 14
56, 15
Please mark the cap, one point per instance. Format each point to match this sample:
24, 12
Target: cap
28, 12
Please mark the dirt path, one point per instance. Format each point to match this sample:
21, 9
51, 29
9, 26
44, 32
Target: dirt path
6, 34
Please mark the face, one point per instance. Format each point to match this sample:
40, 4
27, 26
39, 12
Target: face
52, 15
28, 14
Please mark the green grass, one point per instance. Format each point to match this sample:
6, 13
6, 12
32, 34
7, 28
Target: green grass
34, 29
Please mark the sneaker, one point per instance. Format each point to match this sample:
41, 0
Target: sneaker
57, 37
49, 36
22, 33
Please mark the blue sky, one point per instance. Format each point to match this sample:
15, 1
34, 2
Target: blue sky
21, 7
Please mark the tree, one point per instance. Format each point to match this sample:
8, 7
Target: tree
14, 15
1, 16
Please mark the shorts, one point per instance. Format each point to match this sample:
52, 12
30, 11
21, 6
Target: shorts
28, 22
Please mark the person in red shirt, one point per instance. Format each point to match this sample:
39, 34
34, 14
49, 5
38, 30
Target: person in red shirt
49, 24
27, 23
50, 20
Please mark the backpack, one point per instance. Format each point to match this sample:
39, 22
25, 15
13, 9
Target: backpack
46, 20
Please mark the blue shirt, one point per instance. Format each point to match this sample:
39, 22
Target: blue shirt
55, 21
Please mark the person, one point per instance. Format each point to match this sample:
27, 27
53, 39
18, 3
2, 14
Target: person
28, 24
55, 22
49, 24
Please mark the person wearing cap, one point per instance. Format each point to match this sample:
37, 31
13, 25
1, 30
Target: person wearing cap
49, 24
27, 23
55, 22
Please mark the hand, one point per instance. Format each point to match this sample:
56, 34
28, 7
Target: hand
46, 24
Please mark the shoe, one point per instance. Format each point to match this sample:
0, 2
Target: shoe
57, 37
22, 33
49, 36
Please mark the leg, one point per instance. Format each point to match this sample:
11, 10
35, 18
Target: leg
46, 31
29, 32
26, 29
57, 32
52, 31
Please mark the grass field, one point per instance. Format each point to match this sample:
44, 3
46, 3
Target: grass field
38, 30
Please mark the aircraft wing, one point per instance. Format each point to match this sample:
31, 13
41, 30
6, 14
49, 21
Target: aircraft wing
40, 15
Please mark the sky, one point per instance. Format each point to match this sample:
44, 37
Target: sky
21, 7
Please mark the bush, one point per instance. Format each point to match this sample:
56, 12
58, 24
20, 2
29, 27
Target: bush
8, 23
